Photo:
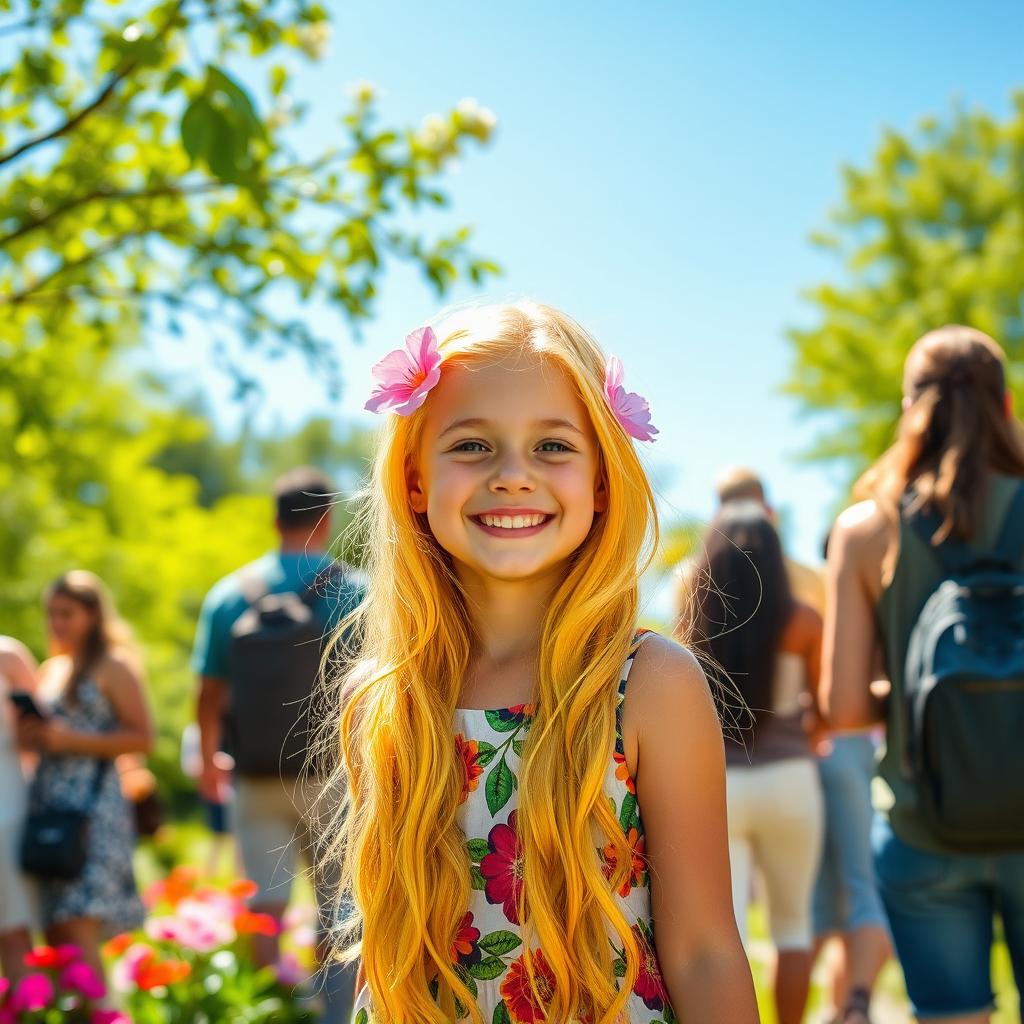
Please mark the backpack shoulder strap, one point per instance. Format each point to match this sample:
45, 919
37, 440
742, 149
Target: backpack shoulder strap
953, 554
252, 585
1011, 538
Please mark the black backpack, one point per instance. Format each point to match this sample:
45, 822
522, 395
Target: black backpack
963, 701
274, 665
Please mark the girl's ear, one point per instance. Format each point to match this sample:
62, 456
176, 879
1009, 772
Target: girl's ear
414, 484
601, 494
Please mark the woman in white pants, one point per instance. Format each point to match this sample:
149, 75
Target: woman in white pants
763, 644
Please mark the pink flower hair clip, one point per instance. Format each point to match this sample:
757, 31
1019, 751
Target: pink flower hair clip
630, 409
404, 377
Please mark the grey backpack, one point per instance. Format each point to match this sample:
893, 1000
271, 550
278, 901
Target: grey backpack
963, 700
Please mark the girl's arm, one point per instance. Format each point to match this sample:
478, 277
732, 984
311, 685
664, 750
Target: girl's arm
850, 642
123, 688
680, 780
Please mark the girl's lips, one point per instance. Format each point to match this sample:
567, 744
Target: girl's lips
511, 532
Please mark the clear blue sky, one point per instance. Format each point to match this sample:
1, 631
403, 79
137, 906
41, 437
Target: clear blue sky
656, 172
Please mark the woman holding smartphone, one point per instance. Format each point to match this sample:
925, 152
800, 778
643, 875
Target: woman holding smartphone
95, 710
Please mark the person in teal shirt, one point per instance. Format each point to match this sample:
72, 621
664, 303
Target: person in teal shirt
273, 817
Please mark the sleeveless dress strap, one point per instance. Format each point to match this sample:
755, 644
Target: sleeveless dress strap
620, 699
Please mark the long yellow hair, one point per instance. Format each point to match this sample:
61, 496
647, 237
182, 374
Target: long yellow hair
403, 857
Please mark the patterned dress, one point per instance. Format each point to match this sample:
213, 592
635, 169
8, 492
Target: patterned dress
106, 888
488, 945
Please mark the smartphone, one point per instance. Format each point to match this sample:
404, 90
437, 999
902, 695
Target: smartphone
26, 706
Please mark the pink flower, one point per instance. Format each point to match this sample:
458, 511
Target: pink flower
199, 926
4, 987
122, 974
630, 409
33, 992
404, 378
109, 1017
81, 978
289, 971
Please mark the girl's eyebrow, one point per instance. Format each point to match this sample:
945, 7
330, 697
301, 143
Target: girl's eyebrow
476, 421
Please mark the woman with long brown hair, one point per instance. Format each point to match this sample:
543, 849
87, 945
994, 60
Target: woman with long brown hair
95, 711
765, 646
949, 481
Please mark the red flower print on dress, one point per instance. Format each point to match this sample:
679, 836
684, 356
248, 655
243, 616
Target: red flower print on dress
464, 949
468, 751
638, 866
650, 986
622, 772
502, 868
524, 1005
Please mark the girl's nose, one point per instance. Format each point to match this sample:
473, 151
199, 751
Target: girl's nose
512, 475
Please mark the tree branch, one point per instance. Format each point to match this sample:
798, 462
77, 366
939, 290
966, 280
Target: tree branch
27, 294
107, 194
72, 122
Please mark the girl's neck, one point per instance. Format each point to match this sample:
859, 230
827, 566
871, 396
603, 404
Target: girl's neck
507, 617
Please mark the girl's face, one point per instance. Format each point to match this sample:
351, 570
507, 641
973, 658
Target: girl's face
69, 622
508, 469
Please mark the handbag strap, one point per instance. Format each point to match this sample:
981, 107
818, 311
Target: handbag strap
103, 766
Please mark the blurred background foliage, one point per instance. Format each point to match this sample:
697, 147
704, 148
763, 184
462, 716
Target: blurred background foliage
144, 187
931, 232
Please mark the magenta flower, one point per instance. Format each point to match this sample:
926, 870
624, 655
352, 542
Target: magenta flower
33, 992
81, 978
4, 988
630, 409
405, 376
109, 1017
503, 868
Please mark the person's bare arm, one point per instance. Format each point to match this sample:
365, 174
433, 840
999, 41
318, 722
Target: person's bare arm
211, 704
680, 779
850, 642
122, 685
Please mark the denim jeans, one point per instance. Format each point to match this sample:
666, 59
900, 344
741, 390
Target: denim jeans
941, 908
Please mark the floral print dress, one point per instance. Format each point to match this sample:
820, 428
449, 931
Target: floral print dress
488, 945
106, 888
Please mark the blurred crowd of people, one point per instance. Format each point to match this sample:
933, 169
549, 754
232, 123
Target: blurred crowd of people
810, 668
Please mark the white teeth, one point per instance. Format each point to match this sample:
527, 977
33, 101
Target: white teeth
512, 522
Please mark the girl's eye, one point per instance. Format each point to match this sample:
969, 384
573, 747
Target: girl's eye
472, 447
553, 446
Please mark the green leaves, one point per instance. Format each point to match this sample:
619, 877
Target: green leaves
930, 232
221, 127
499, 786
500, 942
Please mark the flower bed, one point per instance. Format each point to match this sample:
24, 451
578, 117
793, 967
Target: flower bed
189, 964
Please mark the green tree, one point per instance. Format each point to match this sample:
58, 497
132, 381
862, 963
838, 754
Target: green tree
141, 179
932, 232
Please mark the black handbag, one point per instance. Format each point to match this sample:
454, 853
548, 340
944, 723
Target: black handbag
55, 841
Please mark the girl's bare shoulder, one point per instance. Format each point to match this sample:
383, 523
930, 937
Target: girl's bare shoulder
666, 679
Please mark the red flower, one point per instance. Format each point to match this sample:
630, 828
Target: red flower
638, 866
465, 949
622, 772
151, 973
243, 889
524, 1005
250, 923
468, 751
649, 984
503, 868
50, 956
118, 944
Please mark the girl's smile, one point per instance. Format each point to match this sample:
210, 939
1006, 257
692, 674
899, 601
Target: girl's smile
512, 523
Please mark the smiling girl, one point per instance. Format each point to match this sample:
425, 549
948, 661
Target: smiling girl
525, 837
